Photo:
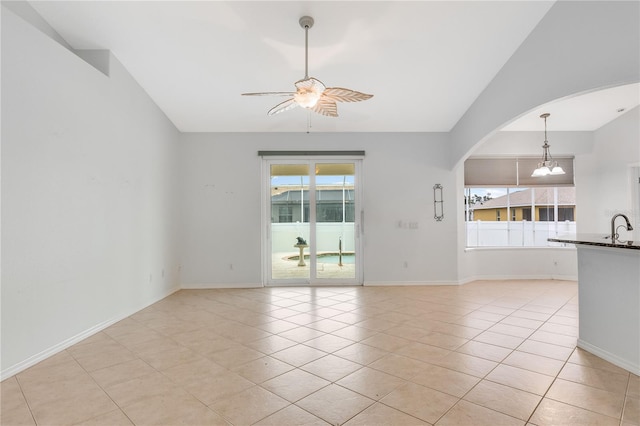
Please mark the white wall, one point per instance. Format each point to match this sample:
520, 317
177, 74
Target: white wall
88, 188
604, 175
91, 170
530, 143
603, 170
220, 200
604, 161
579, 46
532, 263
520, 263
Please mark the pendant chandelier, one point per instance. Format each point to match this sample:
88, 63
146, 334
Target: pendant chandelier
547, 166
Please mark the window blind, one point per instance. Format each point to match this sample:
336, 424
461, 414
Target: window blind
514, 171
309, 153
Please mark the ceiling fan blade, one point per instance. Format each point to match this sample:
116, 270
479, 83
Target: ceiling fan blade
326, 106
341, 94
282, 107
269, 94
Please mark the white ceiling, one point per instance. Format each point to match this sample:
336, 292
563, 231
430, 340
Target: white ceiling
588, 112
425, 62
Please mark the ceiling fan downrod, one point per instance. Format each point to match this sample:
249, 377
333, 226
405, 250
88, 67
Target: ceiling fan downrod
306, 22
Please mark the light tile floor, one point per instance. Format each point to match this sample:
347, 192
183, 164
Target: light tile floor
485, 353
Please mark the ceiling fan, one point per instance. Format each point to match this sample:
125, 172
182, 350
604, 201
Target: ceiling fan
310, 92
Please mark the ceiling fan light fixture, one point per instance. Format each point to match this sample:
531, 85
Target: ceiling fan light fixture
307, 99
309, 92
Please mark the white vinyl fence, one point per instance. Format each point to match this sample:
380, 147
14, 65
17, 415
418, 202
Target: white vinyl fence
516, 234
328, 236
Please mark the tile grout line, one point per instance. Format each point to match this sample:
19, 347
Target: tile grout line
624, 403
161, 372
557, 377
102, 389
25, 399
501, 363
492, 369
383, 305
557, 374
474, 386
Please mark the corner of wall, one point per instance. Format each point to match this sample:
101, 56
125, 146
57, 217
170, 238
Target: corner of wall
59, 347
25, 11
99, 59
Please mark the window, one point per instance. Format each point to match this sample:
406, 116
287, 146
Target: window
329, 213
565, 213
514, 172
285, 214
546, 214
287, 207
290, 206
335, 205
535, 214
506, 207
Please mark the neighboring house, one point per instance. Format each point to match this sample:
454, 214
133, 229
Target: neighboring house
285, 205
518, 206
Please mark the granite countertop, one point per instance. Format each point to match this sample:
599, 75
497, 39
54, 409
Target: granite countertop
599, 240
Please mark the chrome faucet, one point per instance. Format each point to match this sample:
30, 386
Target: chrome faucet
614, 234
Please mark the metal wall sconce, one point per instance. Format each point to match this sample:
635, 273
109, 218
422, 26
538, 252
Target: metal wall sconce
438, 207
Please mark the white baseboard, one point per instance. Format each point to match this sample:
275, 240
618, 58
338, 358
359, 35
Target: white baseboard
565, 277
205, 286
59, 347
34, 359
632, 366
517, 278
407, 283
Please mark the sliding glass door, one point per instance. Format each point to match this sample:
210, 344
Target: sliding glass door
312, 227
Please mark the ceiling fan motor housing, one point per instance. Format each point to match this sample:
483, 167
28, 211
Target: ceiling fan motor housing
306, 22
